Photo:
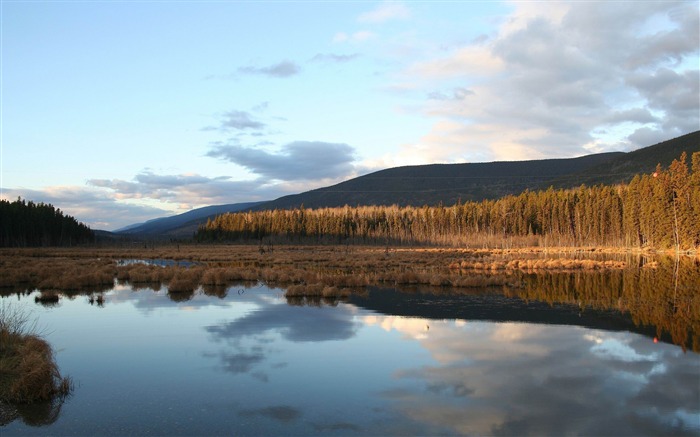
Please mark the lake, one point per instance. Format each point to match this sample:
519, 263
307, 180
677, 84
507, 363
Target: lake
247, 361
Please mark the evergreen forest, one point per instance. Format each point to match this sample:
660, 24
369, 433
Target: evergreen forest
28, 224
659, 210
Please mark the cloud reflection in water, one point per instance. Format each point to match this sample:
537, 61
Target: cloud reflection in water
525, 379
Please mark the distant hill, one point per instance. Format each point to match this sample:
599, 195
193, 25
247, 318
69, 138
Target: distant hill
442, 183
181, 225
623, 168
449, 183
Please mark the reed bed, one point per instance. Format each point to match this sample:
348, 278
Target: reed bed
28, 372
338, 267
547, 264
316, 275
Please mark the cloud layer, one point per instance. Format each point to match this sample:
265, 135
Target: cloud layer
300, 160
564, 80
189, 190
388, 10
98, 209
281, 69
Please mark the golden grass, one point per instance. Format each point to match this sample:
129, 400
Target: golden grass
547, 264
28, 372
310, 268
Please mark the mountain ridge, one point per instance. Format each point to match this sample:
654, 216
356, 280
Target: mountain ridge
177, 226
432, 184
423, 185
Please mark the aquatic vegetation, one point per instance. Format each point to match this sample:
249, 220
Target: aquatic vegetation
28, 372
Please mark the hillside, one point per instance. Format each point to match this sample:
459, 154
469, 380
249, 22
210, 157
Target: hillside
442, 183
181, 225
622, 168
656, 210
449, 183
446, 184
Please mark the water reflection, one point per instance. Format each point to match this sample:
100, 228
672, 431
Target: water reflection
280, 413
37, 414
248, 361
161, 262
248, 339
303, 324
663, 294
523, 379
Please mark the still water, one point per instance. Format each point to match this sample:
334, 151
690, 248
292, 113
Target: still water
249, 362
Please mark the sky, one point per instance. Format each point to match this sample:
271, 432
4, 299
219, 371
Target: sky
119, 112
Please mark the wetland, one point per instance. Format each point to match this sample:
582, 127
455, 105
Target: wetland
352, 340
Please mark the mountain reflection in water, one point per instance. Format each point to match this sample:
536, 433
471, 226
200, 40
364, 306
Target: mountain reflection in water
565, 354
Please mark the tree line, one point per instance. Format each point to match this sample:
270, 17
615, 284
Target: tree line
29, 224
659, 210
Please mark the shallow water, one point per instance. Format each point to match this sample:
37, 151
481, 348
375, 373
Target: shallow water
161, 262
248, 362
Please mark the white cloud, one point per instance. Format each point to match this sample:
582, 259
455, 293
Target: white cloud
559, 77
187, 189
357, 37
334, 58
296, 161
388, 10
463, 62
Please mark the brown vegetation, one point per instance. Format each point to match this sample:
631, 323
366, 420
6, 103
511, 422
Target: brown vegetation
28, 372
318, 274
353, 267
547, 264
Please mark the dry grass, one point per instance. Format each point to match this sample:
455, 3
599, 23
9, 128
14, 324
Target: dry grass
311, 268
185, 280
321, 275
28, 372
542, 264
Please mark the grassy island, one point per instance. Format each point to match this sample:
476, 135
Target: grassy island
28, 372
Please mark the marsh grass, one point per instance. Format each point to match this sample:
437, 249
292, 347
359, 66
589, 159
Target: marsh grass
318, 275
540, 264
28, 372
311, 268
302, 270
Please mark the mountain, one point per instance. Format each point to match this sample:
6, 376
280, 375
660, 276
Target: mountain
181, 225
644, 160
442, 183
449, 183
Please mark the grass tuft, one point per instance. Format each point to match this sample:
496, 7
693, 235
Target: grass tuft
28, 372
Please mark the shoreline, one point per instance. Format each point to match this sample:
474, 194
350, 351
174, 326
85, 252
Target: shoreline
342, 267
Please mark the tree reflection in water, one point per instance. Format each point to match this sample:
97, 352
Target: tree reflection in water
662, 293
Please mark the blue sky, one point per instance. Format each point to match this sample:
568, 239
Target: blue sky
122, 111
